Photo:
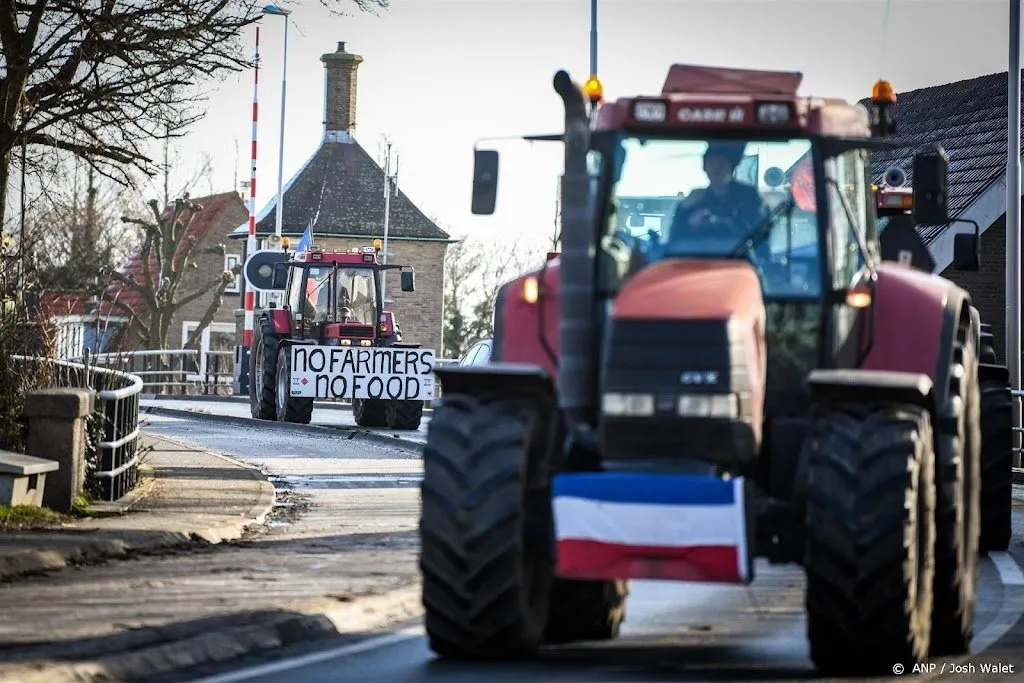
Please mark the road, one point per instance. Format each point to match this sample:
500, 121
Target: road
673, 631
322, 416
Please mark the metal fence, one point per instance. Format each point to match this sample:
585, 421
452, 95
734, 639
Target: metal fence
113, 464
1018, 453
175, 371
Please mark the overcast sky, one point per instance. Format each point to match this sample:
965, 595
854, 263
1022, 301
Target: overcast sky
439, 74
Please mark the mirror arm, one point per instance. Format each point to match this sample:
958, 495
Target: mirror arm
977, 228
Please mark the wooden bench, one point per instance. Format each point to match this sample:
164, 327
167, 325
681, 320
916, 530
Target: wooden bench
23, 478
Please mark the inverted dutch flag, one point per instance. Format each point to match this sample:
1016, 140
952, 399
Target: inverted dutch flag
306, 240
612, 525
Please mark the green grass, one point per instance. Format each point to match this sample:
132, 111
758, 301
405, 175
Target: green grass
21, 517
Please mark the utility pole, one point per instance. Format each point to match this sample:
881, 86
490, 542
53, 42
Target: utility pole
1013, 192
388, 179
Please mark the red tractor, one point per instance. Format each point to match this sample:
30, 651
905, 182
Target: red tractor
333, 299
736, 375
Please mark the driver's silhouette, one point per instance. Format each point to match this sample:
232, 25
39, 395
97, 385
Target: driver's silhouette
725, 205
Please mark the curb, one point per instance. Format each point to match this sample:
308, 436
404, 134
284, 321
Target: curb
347, 432
120, 544
226, 643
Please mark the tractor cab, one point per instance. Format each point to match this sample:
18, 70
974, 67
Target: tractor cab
335, 298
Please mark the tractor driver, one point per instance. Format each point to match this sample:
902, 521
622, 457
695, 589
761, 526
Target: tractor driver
725, 205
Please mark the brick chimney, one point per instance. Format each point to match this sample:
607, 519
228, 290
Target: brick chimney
340, 69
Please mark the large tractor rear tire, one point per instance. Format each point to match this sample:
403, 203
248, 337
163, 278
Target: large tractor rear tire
996, 466
404, 415
586, 610
288, 409
486, 538
958, 508
870, 539
370, 412
263, 372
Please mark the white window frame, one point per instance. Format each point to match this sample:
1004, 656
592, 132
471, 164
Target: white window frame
204, 344
230, 261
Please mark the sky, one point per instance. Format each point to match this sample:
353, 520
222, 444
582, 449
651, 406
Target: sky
439, 75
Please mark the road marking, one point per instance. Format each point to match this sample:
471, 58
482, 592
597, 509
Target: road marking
316, 657
1009, 571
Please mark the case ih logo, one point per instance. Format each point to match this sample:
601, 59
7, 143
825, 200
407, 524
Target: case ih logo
711, 115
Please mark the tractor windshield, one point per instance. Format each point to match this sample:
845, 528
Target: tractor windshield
721, 198
357, 292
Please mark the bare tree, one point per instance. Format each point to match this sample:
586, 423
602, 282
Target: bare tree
475, 271
102, 78
165, 257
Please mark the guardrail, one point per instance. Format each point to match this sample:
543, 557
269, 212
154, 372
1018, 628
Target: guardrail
169, 371
1018, 453
113, 463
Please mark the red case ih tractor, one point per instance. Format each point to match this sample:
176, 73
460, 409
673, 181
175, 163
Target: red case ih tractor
671, 401
334, 299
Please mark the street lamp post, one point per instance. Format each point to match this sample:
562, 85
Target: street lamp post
1013, 220
279, 217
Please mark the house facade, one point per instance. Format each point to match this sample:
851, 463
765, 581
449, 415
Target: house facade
339, 192
212, 225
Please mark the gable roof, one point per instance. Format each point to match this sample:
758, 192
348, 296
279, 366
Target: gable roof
968, 118
215, 209
341, 191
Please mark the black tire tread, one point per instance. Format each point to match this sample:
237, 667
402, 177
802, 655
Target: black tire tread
264, 407
866, 463
404, 415
586, 611
957, 525
996, 466
370, 413
471, 533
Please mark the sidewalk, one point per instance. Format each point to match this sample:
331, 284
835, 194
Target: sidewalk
183, 496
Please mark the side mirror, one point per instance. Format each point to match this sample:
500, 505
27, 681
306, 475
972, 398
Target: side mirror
636, 220
408, 281
774, 177
280, 275
485, 181
966, 252
931, 187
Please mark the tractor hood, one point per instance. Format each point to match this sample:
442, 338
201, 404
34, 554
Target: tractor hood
692, 289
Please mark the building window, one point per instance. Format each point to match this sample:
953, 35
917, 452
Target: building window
230, 261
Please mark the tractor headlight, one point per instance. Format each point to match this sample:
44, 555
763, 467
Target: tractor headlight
628, 405
708, 405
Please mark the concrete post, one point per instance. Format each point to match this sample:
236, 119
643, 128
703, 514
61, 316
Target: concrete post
56, 431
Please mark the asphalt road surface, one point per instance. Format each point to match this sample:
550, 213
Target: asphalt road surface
673, 631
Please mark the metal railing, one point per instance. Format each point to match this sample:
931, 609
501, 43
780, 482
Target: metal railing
113, 463
1018, 453
170, 371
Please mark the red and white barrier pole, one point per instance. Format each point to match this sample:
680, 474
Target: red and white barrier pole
250, 294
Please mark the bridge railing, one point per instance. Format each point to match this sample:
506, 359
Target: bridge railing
1018, 453
175, 371
112, 467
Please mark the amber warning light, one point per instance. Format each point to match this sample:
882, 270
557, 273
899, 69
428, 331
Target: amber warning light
883, 93
593, 89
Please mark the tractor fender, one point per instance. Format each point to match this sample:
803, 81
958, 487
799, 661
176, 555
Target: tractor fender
511, 380
915, 319
282, 320
525, 331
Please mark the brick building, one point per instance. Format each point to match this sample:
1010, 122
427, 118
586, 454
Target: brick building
968, 118
213, 225
340, 192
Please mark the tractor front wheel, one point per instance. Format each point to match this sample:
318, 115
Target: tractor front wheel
486, 536
263, 372
289, 409
870, 555
370, 412
404, 415
996, 466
